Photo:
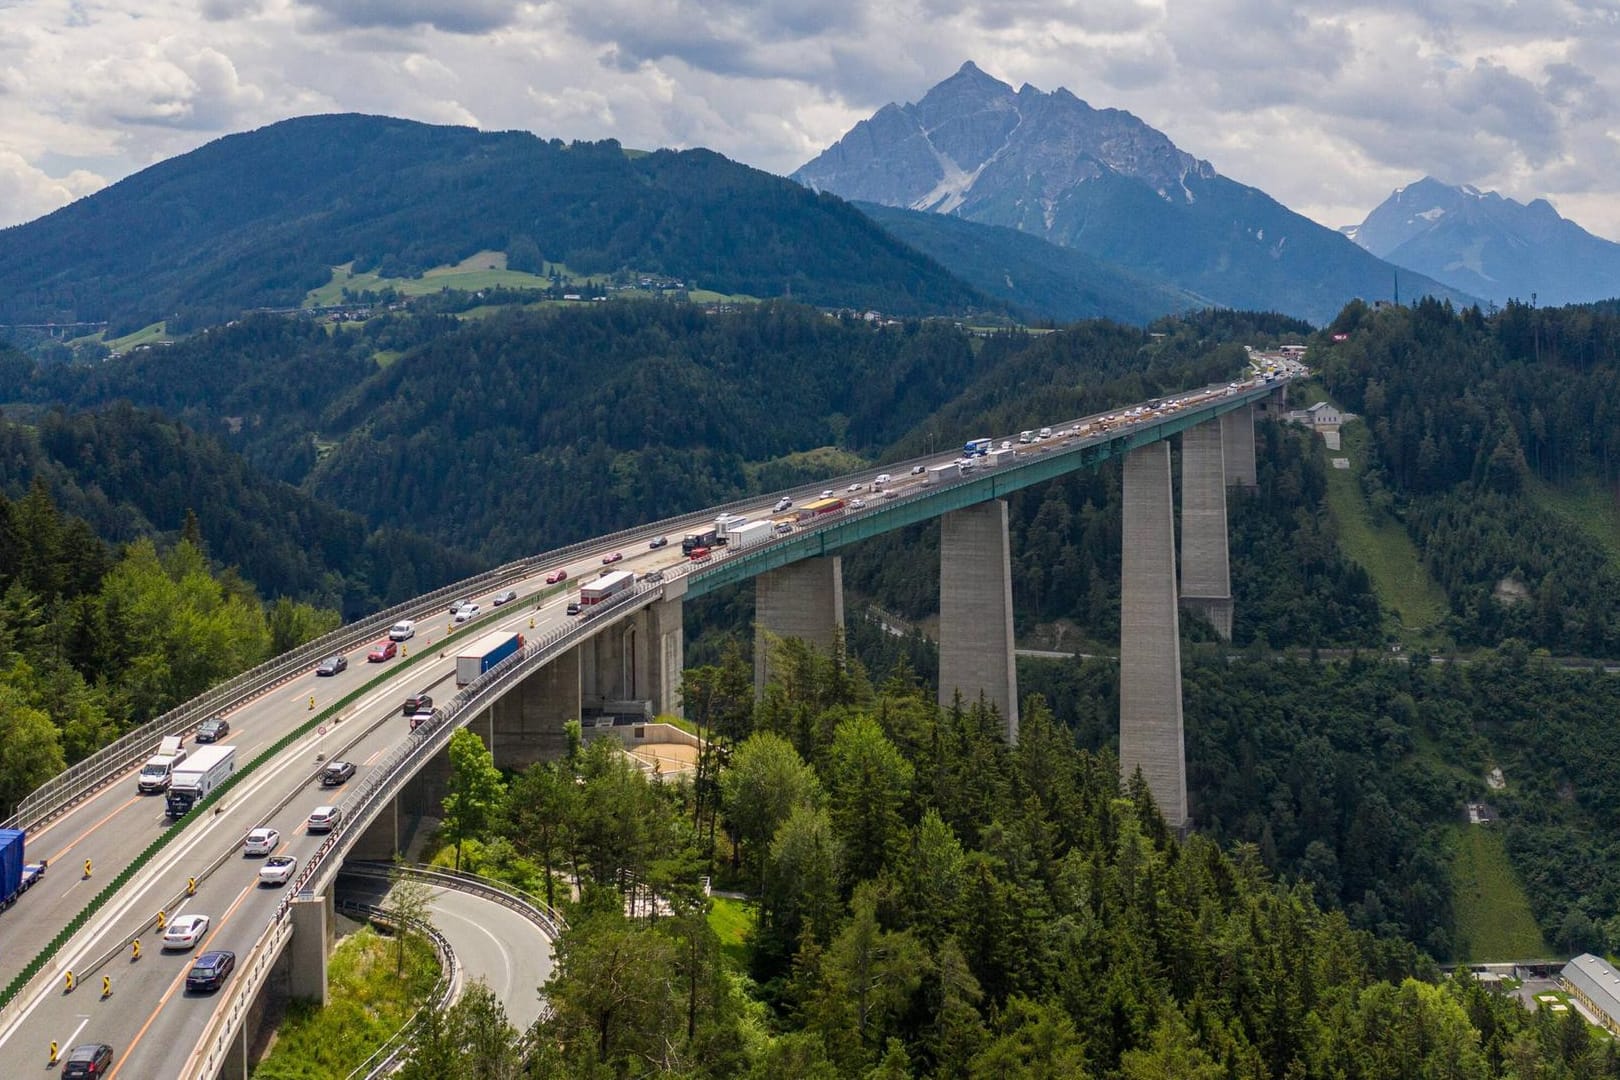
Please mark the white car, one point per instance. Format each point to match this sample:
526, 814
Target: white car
827, 494
324, 819
783, 503
277, 870
882, 478
853, 487
857, 504
466, 611
185, 931
261, 841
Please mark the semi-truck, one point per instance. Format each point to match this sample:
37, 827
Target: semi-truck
726, 526
16, 875
159, 768
488, 651
746, 536
818, 507
706, 537
938, 474
606, 586
198, 776
977, 447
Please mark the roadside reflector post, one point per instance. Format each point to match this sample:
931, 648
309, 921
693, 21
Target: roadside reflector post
53, 1053
191, 886
87, 868
162, 920
106, 986
135, 949
312, 703
69, 987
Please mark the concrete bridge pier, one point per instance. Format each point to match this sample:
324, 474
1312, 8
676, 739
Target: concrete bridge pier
1150, 732
525, 725
311, 944
976, 611
1206, 580
803, 600
1237, 447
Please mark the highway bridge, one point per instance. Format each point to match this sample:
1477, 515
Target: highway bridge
115, 862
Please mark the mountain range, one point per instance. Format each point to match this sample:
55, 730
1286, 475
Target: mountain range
1102, 182
1493, 247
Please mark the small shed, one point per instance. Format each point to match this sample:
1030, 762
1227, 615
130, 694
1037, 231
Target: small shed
1324, 415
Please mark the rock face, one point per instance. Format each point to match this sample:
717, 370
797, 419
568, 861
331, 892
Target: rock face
1103, 182
1494, 247
975, 148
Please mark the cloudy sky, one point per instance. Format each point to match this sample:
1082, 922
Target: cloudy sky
1327, 106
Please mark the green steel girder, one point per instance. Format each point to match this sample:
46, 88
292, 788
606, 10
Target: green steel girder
1036, 468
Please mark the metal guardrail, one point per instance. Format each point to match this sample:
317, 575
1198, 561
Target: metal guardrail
547, 918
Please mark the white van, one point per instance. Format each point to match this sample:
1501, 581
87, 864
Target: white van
402, 630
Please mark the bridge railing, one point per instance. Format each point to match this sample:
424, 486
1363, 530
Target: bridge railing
391, 1054
543, 915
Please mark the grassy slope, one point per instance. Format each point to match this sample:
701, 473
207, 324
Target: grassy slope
732, 921
1493, 914
367, 1004
1391, 559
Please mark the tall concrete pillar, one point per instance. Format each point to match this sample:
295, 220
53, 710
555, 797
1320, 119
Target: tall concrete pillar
1150, 734
381, 840
1237, 446
310, 945
668, 650
802, 600
1206, 580
528, 719
976, 612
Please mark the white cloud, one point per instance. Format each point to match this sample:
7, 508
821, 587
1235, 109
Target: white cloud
1324, 104
27, 192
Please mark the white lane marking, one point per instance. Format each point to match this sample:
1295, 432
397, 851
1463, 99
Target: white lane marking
66, 1044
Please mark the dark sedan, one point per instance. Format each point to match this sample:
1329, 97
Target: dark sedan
210, 969
213, 730
332, 665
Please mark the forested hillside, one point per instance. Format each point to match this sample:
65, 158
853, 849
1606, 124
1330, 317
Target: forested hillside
935, 903
1469, 413
131, 473
94, 640
260, 218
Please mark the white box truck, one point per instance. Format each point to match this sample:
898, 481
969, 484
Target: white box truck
938, 474
755, 532
726, 526
199, 775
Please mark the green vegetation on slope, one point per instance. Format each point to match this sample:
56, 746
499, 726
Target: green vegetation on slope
1493, 914
1380, 545
367, 1002
259, 219
1586, 504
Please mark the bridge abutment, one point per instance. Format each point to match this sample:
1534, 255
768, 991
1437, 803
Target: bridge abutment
1150, 725
1237, 447
1206, 579
803, 600
975, 610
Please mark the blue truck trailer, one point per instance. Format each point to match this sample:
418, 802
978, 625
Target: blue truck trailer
15, 875
485, 653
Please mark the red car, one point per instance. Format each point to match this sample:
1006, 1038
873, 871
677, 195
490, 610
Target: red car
613, 558
383, 650
699, 553
556, 576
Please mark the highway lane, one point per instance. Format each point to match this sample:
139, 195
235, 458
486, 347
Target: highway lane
115, 825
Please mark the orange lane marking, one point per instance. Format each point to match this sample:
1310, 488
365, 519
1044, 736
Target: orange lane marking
81, 837
201, 947
374, 757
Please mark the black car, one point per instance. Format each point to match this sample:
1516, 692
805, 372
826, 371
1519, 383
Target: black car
213, 730
658, 542
209, 971
332, 665
573, 607
336, 772
417, 703
88, 1059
